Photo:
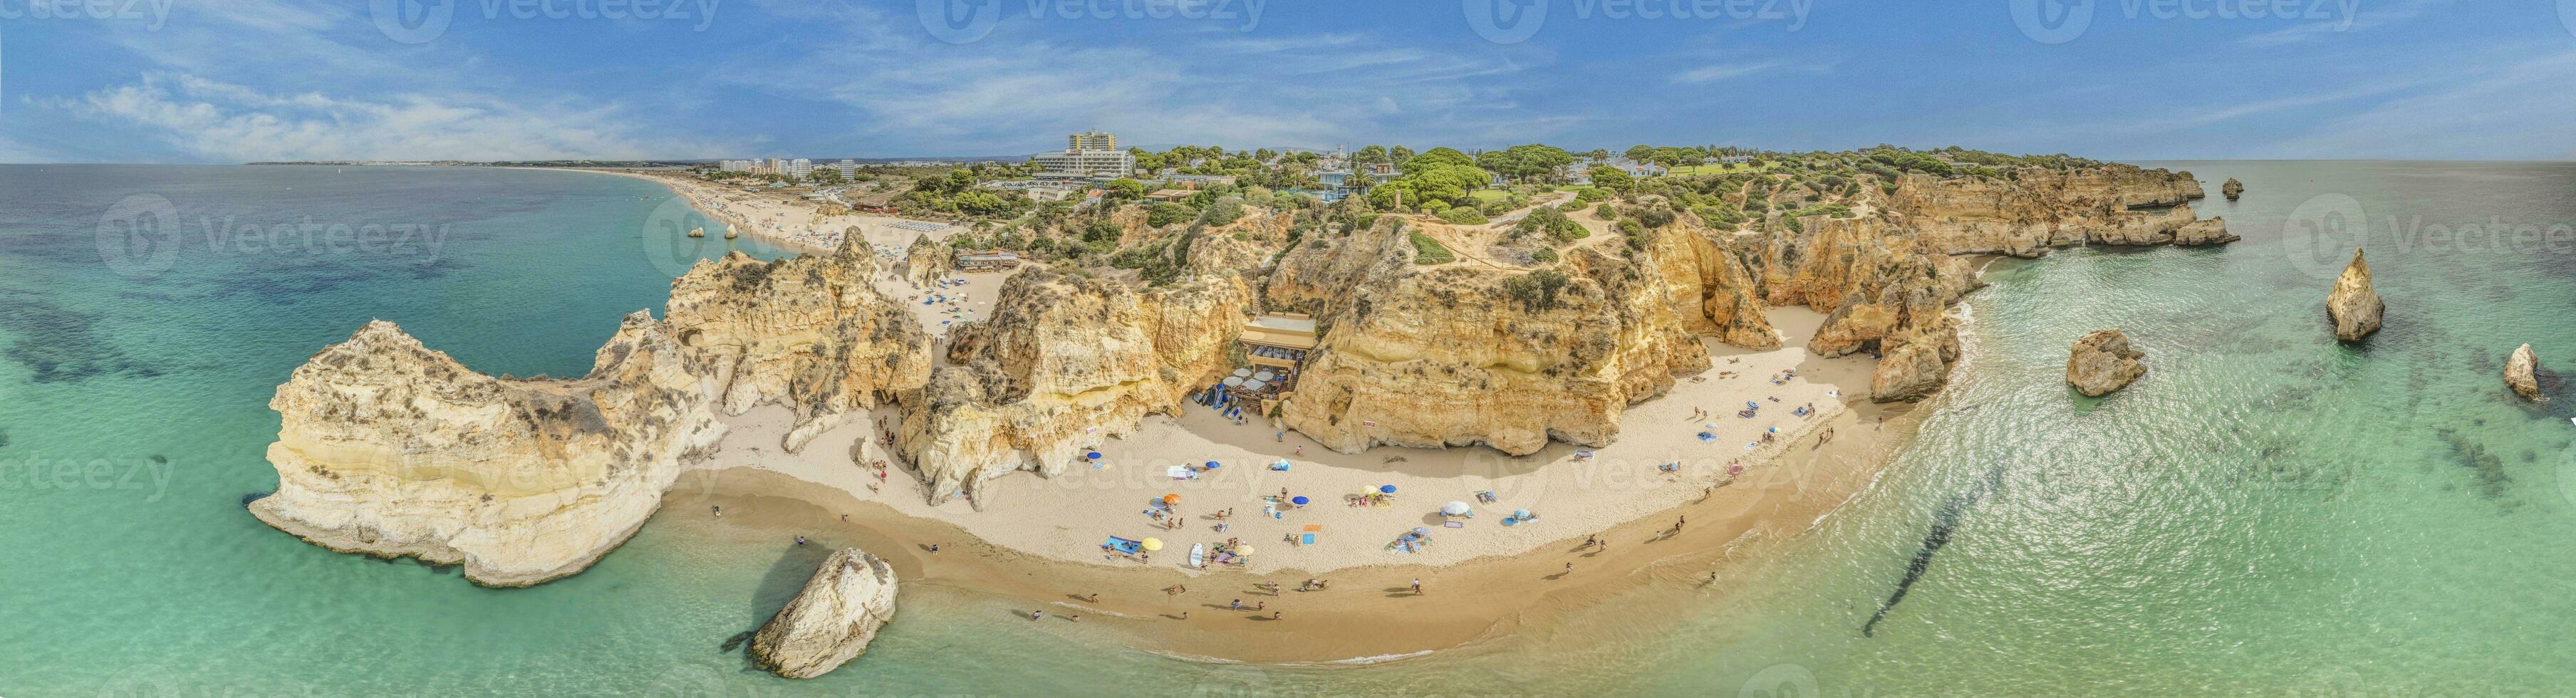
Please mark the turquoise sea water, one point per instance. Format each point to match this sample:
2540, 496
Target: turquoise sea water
2267, 511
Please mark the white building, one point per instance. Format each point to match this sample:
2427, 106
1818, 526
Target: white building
849, 169
800, 168
734, 166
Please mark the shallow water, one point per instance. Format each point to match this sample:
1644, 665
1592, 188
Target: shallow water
2266, 511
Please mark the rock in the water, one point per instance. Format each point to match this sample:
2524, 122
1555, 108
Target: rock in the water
2522, 373
2232, 189
831, 621
2102, 362
2353, 306
389, 448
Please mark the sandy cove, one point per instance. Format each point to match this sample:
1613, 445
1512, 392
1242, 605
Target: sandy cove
1037, 546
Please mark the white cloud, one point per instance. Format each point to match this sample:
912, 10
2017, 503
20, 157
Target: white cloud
229, 122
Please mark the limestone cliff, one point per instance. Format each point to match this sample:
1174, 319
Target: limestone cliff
390, 448
2232, 189
1065, 362
2522, 373
2352, 305
831, 620
2101, 362
810, 333
2043, 209
1472, 353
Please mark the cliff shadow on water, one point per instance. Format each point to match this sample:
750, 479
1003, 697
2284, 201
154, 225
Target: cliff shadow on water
1945, 523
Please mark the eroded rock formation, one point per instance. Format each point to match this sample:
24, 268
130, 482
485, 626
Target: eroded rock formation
1465, 354
2522, 373
2101, 362
390, 448
2232, 189
832, 620
1065, 362
809, 333
926, 260
2352, 305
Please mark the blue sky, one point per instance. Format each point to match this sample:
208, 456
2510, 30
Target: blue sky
239, 80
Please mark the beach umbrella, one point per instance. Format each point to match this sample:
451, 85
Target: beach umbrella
1389, 489
1299, 500
1454, 509
1751, 405
1212, 465
1520, 513
1094, 455
1171, 499
1153, 544
1243, 550
1421, 531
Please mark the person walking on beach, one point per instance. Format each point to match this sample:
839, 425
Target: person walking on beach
1236, 606
1417, 586
1569, 568
1589, 541
1034, 615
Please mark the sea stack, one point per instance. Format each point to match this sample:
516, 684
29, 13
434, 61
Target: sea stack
2102, 362
697, 232
831, 621
2522, 373
731, 233
2232, 189
2354, 308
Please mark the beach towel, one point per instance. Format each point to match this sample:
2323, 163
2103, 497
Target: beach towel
1306, 539
1453, 524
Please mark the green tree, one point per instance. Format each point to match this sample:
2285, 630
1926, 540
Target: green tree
1123, 189
1641, 153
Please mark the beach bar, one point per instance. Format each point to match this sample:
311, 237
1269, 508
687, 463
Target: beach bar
987, 260
1278, 341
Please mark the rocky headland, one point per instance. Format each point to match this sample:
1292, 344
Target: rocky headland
390, 448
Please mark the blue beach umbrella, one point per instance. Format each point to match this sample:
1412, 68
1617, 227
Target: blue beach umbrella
1389, 489
1299, 500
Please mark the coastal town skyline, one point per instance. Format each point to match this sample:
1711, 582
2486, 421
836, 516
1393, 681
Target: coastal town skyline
168, 82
